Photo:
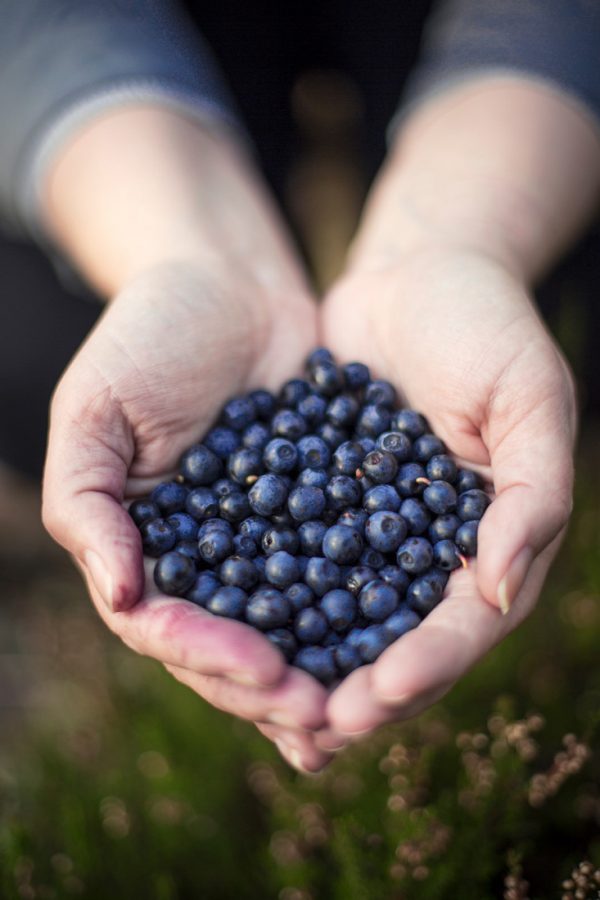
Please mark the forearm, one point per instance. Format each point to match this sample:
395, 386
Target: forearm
144, 185
502, 165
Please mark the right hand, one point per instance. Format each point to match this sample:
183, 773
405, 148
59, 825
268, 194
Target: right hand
171, 348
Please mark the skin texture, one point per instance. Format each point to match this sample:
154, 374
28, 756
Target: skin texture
471, 206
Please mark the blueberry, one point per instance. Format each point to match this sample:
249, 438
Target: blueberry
267, 609
264, 403
184, 526
416, 514
244, 466
353, 637
311, 536
358, 577
380, 466
157, 537
202, 503
318, 356
174, 574
211, 525
347, 658
385, 531
415, 555
408, 481
318, 662
426, 446
143, 510
222, 441
423, 595
444, 528
331, 639
313, 478
356, 375
339, 608
377, 600
199, 465
395, 577
254, 527
244, 546
280, 456
343, 491
205, 585
382, 392
440, 497
372, 420
170, 497
322, 575
472, 504
293, 391
235, 507
256, 436
238, 572
355, 518
238, 413
466, 538
438, 577
299, 596
332, 436
466, 480
372, 642
372, 558
268, 494
313, 408
367, 443
348, 457
283, 518
228, 601
280, 537
446, 555
260, 564
327, 378
313, 453
400, 622
216, 546
396, 443
189, 549
410, 423
287, 423
285, 642
381, 498
306, 503
342, 411
442, 468
224, 486
310, 625
282, 569
342, 544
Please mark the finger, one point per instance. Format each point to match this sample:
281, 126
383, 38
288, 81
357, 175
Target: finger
419, 668
89, 451
298, 749
297, 702
531, 434
182, 634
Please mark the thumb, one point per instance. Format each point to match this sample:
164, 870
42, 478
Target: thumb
90, 447
531, 433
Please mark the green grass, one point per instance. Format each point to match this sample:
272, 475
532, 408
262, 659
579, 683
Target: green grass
121, 783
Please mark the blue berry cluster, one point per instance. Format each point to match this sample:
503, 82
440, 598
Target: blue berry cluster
326, 517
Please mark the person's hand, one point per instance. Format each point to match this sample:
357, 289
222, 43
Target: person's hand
458, 336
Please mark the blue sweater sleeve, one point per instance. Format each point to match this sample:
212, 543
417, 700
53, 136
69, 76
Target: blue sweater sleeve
554, 41
63, 61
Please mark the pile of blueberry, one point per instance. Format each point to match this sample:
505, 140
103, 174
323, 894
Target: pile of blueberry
326, 517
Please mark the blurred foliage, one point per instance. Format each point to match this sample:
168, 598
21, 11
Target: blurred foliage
117, 781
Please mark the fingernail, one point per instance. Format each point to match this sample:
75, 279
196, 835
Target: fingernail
296, 761
511, 583
100, 576
246, 679
355, 734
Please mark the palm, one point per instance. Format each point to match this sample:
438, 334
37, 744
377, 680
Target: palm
459, 339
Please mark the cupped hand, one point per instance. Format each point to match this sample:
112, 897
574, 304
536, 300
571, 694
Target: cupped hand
458, 335
175, 343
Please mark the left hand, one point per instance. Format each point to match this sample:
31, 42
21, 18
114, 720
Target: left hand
459, 337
